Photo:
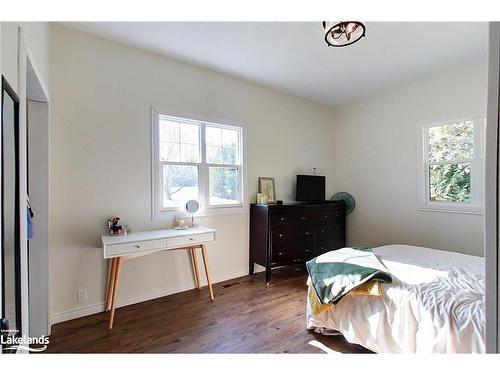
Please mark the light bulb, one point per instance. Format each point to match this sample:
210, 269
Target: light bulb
351, 27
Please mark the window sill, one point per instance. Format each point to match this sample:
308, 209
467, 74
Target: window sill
452, 209
212, 211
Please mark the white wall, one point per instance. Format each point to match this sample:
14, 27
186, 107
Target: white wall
100, 161
376, 155
37, 36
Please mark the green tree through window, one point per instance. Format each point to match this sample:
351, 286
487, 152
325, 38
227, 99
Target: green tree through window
451, 150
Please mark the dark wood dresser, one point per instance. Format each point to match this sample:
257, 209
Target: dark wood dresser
294, 233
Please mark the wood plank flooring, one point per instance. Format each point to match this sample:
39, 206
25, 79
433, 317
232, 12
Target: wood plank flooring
246, 317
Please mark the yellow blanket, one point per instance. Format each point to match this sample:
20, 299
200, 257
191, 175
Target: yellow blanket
371, 288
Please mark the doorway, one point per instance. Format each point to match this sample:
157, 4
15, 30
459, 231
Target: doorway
37, 149
10, 249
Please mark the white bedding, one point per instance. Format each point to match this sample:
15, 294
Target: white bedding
434, 305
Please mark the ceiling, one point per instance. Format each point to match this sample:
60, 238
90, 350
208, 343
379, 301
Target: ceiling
293, 57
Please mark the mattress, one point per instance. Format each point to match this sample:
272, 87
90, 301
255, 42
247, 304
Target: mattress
434, 305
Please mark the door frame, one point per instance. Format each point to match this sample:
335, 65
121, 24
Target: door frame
38, 189
1, 233
6, 87
491, 238
24, 56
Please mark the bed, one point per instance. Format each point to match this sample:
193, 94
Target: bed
435, 304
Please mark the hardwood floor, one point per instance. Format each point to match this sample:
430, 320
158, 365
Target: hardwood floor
246, 317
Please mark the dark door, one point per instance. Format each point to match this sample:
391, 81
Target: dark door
10, 218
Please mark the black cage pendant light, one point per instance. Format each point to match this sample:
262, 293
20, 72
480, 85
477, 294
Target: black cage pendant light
343, 33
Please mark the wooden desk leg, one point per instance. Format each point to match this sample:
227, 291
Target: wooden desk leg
111, 283
194, 263
207, 272
115, 291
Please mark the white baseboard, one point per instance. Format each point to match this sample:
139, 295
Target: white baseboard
95, 308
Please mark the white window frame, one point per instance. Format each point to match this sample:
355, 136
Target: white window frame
476, 206
206, 209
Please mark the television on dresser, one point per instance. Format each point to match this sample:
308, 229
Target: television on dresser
310, 188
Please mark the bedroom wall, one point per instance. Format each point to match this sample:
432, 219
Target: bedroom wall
376, 154
100, 161
37, 36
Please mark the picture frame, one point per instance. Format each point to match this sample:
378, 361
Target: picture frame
267, 187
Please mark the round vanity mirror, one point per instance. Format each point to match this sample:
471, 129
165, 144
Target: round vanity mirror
192, 207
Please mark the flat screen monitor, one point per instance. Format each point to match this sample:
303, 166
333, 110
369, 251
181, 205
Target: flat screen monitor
310, 188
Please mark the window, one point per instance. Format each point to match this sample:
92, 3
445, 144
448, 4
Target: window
195, 159
452, 172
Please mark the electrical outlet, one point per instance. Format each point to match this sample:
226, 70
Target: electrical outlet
82, 295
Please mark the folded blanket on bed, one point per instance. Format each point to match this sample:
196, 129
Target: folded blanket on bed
338, 272
370, 288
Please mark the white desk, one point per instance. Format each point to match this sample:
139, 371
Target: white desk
120, 248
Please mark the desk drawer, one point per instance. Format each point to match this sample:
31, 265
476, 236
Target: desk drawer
134, 247
189, 240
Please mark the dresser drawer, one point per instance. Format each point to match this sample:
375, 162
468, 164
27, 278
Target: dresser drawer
335, 230
189, 240
134, 247
329, 245
281, 236
323, 217
337, 216
284, 219
290, 253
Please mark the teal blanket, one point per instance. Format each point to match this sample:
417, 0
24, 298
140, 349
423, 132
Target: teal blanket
336, 273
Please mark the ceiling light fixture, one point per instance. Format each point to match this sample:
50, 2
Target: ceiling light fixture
343, 33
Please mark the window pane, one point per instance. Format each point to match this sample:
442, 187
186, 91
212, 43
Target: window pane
169, 151
189, 153
213, 136
223, 185
462, 140
451, 142
229, 138
189, 133
169, 131
450, 182
180, 184
230, 146
222, 145
214, 155
179, 141
229, 156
